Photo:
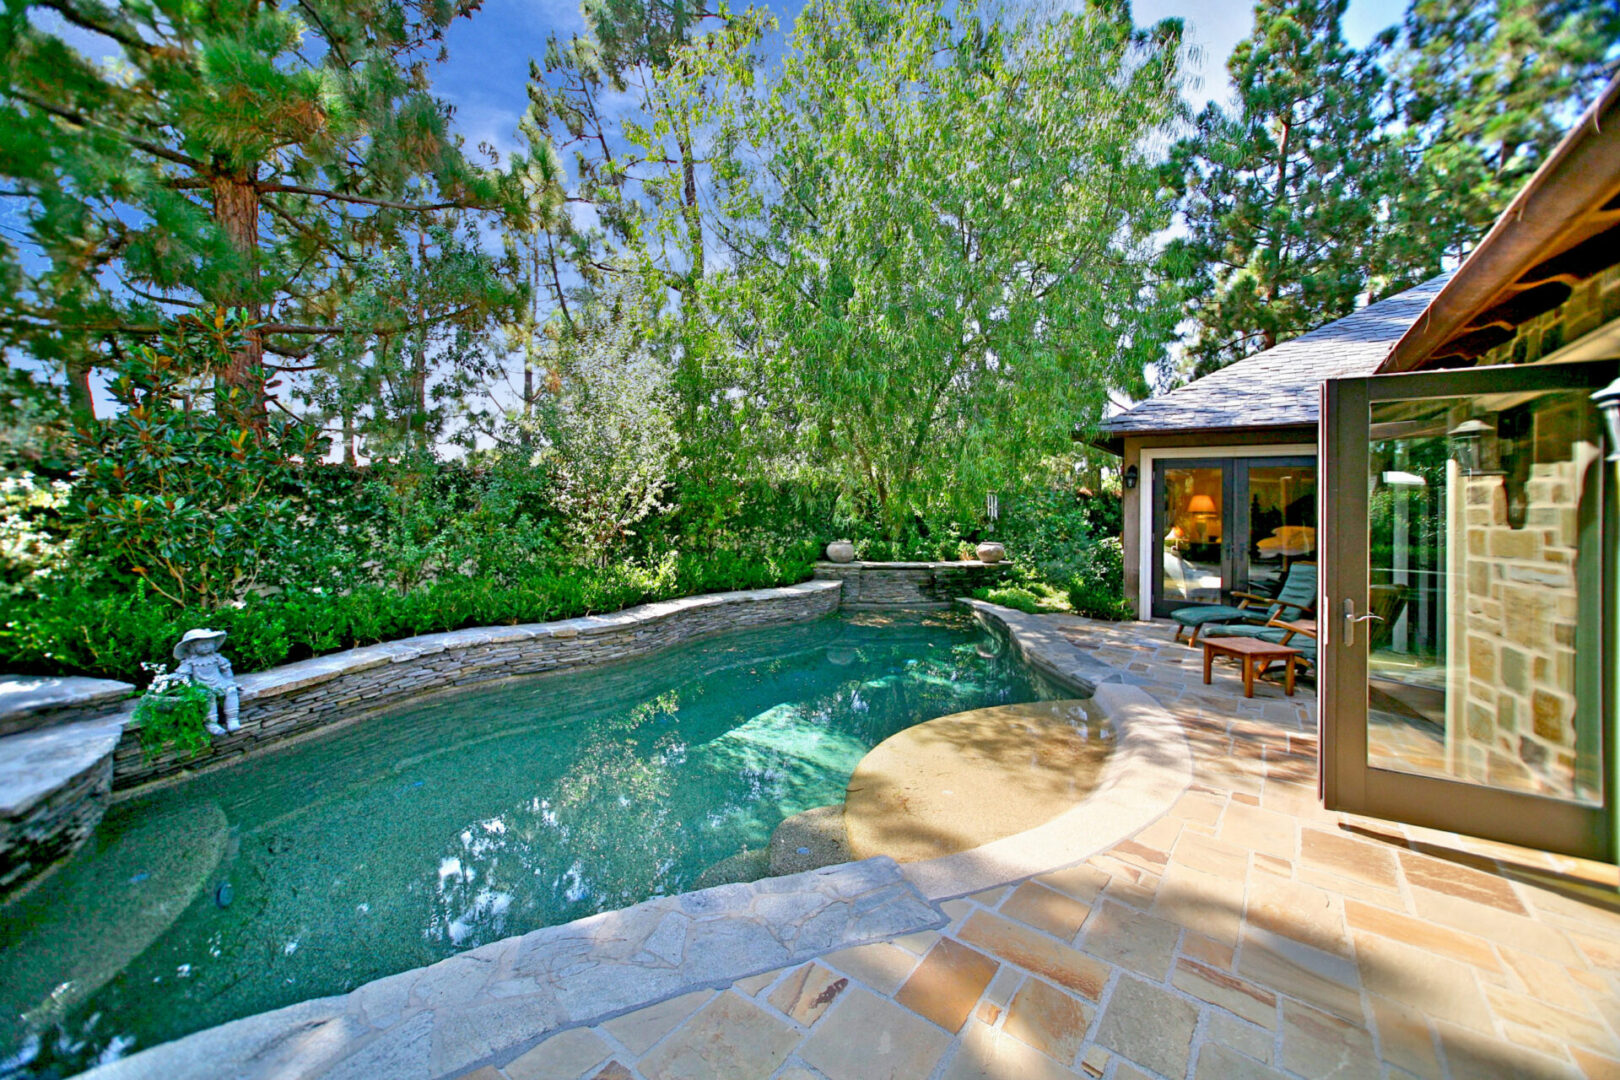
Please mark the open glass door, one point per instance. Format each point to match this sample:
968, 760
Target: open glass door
1467, 645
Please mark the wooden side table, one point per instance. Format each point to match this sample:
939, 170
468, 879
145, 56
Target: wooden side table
1254, 655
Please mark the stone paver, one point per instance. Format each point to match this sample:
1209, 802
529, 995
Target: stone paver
730, 1038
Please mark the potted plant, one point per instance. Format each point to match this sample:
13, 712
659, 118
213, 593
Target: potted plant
173, 715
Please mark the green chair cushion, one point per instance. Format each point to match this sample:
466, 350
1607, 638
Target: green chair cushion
1207, 613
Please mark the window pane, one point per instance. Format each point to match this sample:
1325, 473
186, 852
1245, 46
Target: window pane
1483, 526
1282, 521
1192, 534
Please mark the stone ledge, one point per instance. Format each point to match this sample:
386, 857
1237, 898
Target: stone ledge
474, 1007
320, 669
55, 783
29, 702
1149, 769
907, 584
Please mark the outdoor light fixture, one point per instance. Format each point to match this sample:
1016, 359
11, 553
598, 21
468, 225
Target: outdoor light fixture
1468, 445
1608, 402
1133, 474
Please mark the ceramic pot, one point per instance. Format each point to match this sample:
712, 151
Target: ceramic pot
841, 551
991, 552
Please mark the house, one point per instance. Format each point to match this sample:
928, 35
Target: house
1448, 457
1472, 482
1221, 474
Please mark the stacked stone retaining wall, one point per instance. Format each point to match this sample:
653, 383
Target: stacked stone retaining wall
298, 698
908, 584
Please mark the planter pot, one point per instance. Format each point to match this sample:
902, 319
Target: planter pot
991, 552
841, 551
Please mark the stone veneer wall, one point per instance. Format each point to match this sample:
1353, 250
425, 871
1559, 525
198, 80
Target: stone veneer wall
1593, 303
301, 697
908, 584
44, 831
1514, 608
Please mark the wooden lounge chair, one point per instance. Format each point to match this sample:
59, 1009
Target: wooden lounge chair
1296, 599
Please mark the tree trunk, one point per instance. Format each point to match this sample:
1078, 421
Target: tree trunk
350, 437
236, 209
81, 403
419, 365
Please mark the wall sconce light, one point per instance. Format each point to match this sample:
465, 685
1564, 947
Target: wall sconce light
1133, 474
1608, 402
1469, 446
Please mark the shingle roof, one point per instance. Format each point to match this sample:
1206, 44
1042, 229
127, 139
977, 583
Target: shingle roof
1279, 387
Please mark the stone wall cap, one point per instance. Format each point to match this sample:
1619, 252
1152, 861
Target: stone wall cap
35, 764
32, 695
859, 564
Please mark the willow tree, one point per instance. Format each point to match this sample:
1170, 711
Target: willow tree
162, 157
942, 235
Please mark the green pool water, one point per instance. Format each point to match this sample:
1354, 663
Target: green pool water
402, 839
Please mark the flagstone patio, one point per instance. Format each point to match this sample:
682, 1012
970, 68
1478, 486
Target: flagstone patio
1247, 933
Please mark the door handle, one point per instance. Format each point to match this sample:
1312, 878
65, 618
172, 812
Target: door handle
1351, 618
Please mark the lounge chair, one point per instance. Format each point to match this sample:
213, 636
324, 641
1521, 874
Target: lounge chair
1295, 599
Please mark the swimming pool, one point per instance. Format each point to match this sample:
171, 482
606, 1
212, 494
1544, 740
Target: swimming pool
405, 838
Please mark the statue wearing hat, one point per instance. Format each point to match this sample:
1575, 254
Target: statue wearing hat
202, 664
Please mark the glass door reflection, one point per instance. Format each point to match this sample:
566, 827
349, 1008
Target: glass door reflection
1193, 523
1483, 523
1224, 525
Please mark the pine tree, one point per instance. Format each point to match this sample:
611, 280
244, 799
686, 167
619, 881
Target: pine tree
1487, 88
1282, 196
239, 154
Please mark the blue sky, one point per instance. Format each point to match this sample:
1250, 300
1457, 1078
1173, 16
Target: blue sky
489, 53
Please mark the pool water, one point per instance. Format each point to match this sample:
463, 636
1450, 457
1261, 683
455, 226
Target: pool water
400, 840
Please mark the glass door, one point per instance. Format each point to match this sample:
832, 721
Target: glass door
1467, 648
1229, 524
1192, 563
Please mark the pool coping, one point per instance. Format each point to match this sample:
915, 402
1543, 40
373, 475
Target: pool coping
493, 1003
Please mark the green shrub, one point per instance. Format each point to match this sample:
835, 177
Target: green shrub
1098, 589
174, 715
1050, 534
1032, 598
76, 630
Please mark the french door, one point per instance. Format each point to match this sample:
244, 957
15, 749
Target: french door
1225, 524
1468, 613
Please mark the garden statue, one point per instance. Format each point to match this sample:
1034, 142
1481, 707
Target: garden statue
202, 664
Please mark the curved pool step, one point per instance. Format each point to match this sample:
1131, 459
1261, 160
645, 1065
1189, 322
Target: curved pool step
810, 840
148, 894
55, 782
961, 781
